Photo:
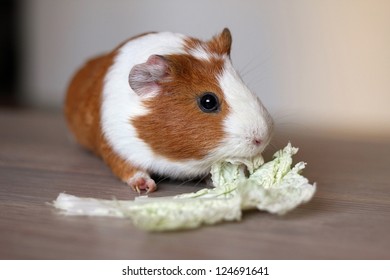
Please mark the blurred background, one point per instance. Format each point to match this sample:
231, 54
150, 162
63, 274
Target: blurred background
323, 66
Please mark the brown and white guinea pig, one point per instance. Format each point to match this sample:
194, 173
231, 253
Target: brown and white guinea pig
166, 104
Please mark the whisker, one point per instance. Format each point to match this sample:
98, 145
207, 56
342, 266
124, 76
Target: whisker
259, 65
243, 71
161, 180
185, 182
201, 179
282, 115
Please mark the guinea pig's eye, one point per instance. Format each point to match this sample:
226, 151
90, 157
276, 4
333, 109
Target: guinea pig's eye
208, 102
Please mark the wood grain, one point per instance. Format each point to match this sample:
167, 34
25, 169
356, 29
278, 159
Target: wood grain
349, 217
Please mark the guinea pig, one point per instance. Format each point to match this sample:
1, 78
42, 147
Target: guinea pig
166, 104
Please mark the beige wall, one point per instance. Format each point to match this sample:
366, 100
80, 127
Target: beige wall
315, 64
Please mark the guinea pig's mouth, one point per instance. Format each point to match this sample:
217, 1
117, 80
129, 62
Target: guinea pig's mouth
239, 153
247, 165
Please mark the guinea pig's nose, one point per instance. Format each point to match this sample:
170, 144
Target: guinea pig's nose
256, 141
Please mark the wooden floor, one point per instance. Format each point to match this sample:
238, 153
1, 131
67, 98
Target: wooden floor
349, 217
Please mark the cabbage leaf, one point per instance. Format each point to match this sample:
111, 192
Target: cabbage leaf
239, 184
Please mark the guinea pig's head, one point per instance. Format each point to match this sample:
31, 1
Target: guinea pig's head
198, 106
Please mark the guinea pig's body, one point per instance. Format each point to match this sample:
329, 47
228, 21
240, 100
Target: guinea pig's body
167, 104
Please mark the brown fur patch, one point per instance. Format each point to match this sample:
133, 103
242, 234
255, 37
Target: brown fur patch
219, 44
83, 99
192, 43
176, 128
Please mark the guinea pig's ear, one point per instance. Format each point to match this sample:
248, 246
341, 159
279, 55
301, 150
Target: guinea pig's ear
144, 78
221, 43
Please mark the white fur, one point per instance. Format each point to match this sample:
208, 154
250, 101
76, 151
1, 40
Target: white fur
247, 119
202, 54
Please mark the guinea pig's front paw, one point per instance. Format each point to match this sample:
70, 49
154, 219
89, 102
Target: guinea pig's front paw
142, 182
